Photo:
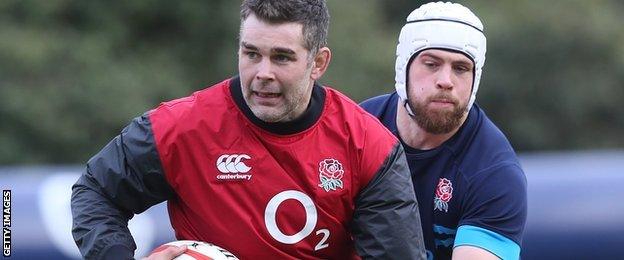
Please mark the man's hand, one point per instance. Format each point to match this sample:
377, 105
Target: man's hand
167, 254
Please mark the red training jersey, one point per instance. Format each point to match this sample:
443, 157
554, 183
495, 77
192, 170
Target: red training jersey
260, 194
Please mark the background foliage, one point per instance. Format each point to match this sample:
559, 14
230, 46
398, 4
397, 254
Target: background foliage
73, 73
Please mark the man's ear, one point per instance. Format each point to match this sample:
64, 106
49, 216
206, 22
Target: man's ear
320, 63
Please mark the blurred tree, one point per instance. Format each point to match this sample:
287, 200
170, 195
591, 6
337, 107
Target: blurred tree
73, 73
554, 74
362, 62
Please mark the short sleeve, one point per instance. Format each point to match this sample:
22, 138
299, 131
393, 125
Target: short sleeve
494, 210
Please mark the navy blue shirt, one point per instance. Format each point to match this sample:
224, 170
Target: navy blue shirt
471, 189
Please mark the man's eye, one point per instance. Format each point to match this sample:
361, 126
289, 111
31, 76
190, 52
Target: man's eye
462, 69
281, 58
252, 55
430, 64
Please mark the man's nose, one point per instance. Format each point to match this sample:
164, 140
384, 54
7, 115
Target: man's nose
265, 70
444, 78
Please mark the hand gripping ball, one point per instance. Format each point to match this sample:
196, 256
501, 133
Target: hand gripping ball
199, 250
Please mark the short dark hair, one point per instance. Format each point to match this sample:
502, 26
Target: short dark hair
312, 14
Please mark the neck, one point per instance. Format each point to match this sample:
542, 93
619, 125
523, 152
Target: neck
415, 136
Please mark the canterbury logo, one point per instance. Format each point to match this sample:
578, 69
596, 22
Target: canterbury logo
233, 163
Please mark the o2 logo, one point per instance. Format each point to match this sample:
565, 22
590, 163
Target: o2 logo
270, 219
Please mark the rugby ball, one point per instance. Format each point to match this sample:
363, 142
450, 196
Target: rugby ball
198, 250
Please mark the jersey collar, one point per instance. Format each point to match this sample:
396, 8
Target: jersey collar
305, 121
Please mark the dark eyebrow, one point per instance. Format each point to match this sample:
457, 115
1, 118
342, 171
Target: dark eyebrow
279, 50
283, 51
249, 46
459, 62
429, 55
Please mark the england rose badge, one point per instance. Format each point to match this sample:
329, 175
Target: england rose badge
443, 194
330, 174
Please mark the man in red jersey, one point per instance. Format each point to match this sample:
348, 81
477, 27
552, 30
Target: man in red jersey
268, 164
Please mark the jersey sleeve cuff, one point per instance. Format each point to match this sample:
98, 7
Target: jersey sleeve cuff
117, 252
493, 242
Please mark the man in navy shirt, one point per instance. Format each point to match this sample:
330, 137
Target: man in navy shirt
470, 185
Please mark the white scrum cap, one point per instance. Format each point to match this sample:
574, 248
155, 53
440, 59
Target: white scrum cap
440, 25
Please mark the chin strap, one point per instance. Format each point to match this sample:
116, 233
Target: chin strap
408, 108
